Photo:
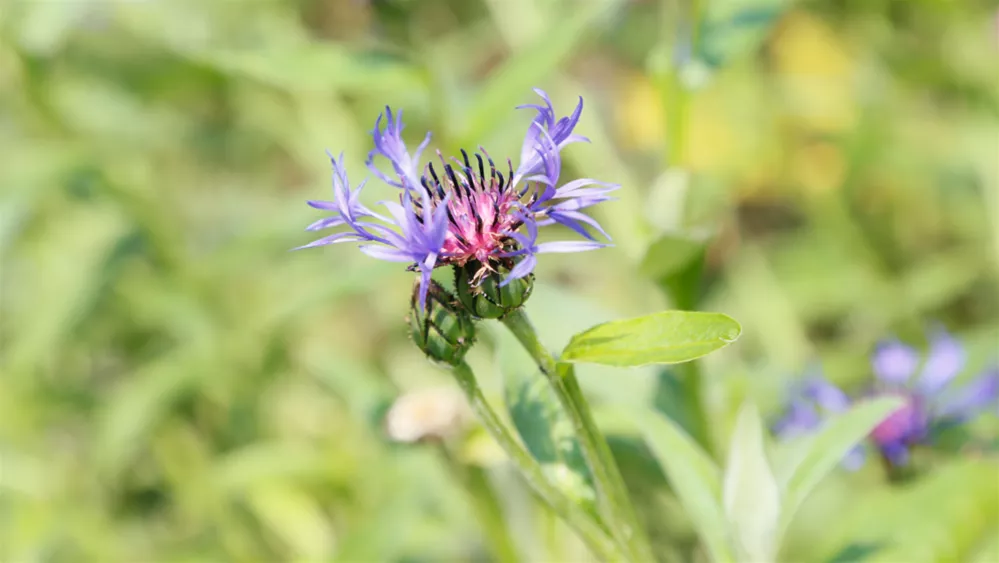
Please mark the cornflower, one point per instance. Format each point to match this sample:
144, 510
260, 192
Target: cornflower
931, 402
467, 211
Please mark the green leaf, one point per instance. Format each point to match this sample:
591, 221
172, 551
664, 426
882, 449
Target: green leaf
676, 262
948, 514
663, 338
527, 67
728, 34
139, 403
558, 314
958, 511
809, 461
317, 67
751, 494
669, 255
855, 553
59, 281
294, 516
542, 424
694, 477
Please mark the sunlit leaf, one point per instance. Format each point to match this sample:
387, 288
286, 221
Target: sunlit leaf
294, 516
750, 491
694, 477
812, 459
663, 338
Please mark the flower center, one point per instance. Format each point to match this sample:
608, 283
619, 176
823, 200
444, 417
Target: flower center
481, 208
907, 424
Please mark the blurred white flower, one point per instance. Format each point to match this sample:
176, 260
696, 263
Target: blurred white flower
435, 413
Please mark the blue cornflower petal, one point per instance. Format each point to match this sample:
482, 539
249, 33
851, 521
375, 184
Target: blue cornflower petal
551, 161
854, 459
333, 239
894, 362
800, 418
897, 453
568, 246
971, 399
388, 253
426, 269
811, 400
389, 144
530, 247
832, 399
325, 223
575, 190
946, 359
324, 205
559, 131
521, 269
572, 220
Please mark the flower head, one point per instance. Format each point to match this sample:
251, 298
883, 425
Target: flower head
467, 210
930, 400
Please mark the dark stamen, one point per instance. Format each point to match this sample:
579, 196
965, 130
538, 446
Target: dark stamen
465, 155
454, 179
459, 238
496, 212
468, 177
478, 222
437, 181
426, 186
482, 168
450, 219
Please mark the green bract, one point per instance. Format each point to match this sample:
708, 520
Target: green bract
443, 329
486, 299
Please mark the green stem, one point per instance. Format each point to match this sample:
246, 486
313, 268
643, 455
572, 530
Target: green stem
594, 537
617, 508
487, 507
683, 290
689, 376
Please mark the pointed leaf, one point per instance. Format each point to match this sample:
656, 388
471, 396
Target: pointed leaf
694, 477
751, 494
811, 460
668, 337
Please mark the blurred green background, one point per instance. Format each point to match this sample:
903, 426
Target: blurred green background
178, 387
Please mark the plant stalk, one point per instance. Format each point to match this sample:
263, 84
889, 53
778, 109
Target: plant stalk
591, 533
487, 507
616, 505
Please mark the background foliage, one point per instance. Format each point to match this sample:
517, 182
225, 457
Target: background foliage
178, 387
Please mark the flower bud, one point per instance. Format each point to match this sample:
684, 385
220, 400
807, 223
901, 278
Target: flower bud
443, 329
484, 298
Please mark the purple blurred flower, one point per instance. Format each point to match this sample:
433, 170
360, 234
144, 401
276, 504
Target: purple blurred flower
466, 210
931, 401
812, 400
